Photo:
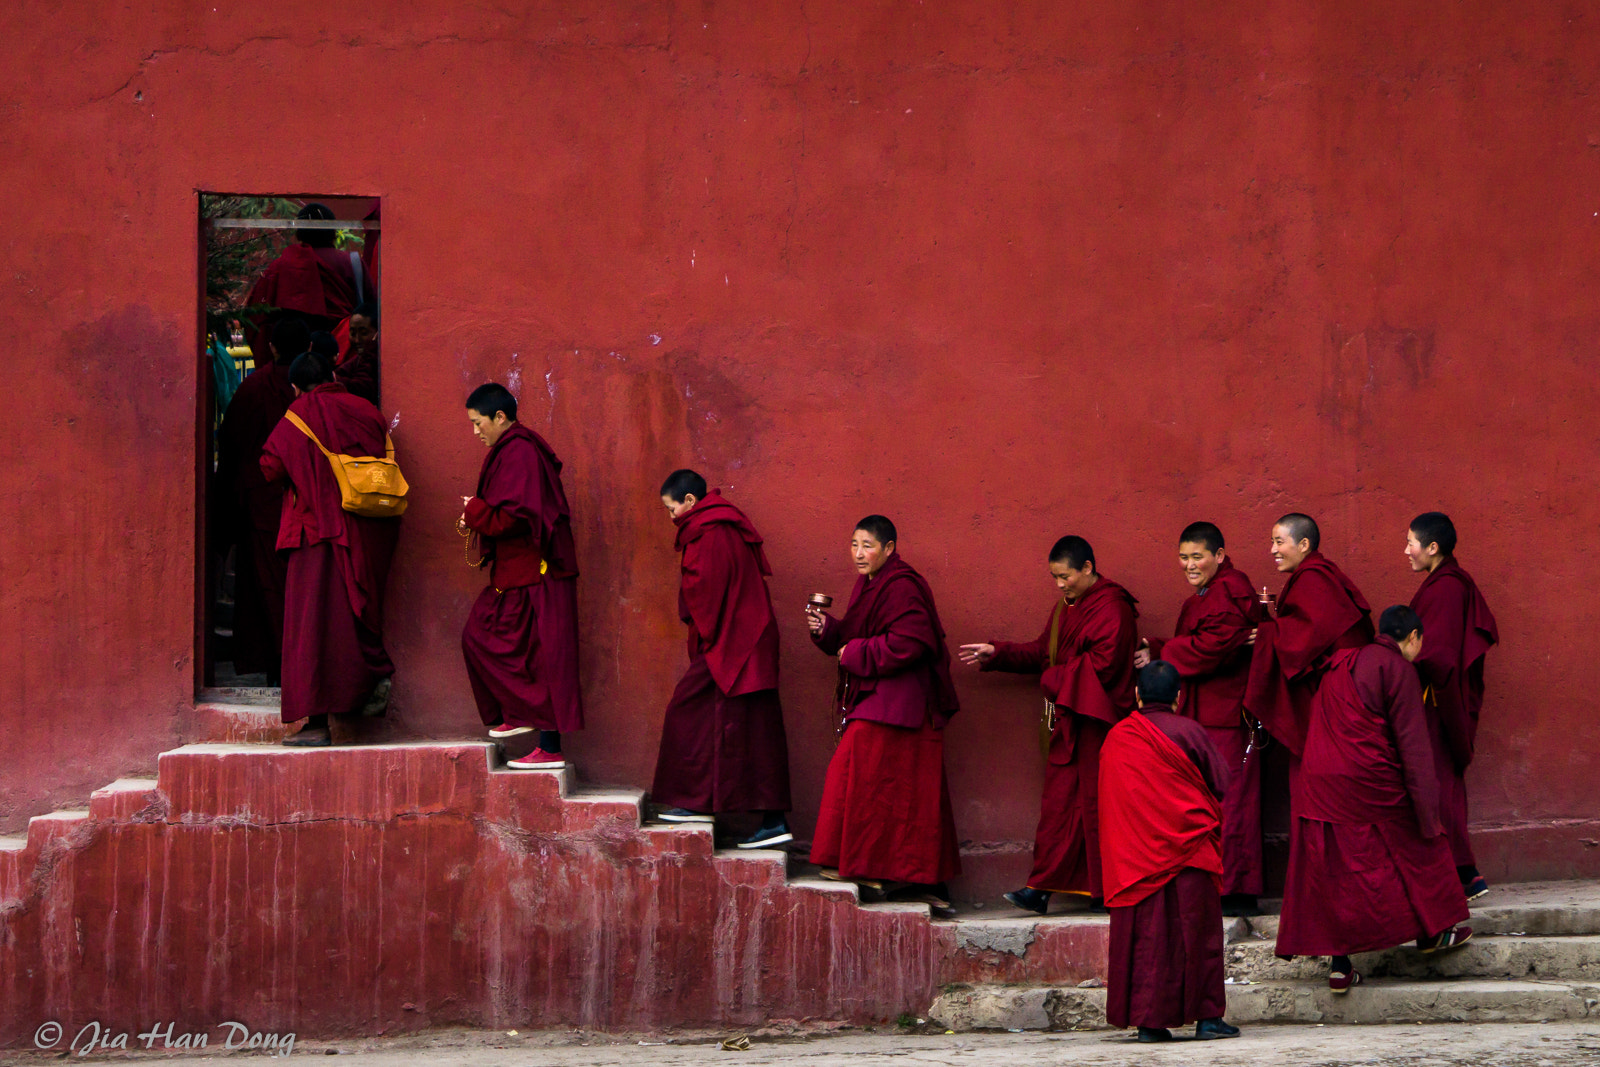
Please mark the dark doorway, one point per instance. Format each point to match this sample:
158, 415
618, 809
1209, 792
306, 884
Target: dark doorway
279, 275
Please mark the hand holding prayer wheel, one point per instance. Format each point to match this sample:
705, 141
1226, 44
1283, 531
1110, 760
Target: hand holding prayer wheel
816, 603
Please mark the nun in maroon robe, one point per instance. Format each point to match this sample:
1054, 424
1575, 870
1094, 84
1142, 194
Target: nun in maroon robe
1369, 866
521, 638
1320, 611
1084, 659
1460, 631
338, 563
723, 746
885, 813
1161, 789
255, 506
1211, 651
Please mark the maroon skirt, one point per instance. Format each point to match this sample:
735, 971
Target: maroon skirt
1066, 845
1165, 958
886, 807
521, 649
1242, 869
331, 660
1364, 887
721, 753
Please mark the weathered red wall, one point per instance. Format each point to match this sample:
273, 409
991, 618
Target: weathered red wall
1001, 271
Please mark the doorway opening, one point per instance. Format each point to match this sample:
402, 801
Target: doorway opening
279, 276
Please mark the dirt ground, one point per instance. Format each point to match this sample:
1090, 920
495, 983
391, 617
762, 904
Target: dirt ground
1475, 1045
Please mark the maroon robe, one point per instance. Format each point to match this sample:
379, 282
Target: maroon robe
259, 572
359, 373
521, 638
1161, 787
885, 810
723, 746
318, 284
1212, 655
1369, 866
1320, 611
333, 652
1458, 629
1088, 675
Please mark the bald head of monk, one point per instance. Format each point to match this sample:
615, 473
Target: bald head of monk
682, 490
491, 409
1294, 537
1158, 683
1072, 566
1200, 553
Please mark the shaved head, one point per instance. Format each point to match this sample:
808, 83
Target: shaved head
1301, 528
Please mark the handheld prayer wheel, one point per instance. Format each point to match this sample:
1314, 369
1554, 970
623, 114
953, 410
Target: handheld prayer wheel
1269, 599
820, 601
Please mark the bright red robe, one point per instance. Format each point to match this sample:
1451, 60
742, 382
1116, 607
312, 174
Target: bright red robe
723, 746
338, 567
886, 810
1369, 866
319, 284
1458, 629
1088, 675
1212, 655
1161, 816
520, 641
1320, 611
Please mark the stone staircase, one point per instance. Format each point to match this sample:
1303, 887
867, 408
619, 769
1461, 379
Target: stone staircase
390, 887
1534, 957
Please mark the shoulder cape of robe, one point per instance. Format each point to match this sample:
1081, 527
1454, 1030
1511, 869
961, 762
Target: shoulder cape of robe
312, 510
1318, 608
311, 281
1158, 813
520, 512
896, 668
723, 596
1209, 648
1458, 629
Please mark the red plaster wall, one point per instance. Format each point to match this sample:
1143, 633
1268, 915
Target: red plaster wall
1001, 271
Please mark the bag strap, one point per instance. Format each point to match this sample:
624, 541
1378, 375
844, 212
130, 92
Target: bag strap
298, 421
388, 444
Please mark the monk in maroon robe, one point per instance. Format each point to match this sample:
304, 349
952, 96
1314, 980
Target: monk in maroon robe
1211, 651
1161, 789
358, 367
255, 505
1084, 659
723, 746
334, 660
310, 278
1320, 611
886, 813
521, 639
1369, 866
1461, 630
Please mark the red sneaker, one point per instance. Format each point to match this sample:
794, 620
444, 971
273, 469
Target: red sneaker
1341, 981
538, 760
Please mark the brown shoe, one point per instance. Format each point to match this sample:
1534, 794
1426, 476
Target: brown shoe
310, 737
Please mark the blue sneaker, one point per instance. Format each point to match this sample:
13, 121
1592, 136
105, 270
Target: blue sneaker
768, 837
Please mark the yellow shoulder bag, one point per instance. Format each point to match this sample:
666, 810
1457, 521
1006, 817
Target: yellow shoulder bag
368, 485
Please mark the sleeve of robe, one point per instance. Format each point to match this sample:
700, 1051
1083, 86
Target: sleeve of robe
1083, 681
1389, 683
272, 468
1217, 637
1444, 617
707, 576
1020, 657
490, 521
1301, 640
1191, 737
828, 639
909, 635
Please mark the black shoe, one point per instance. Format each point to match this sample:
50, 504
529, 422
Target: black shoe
1211, 1029
1151, 1035
767, 837
684, 815
1476, 888
310, 737
1244, 905
1098, 906
1034, 900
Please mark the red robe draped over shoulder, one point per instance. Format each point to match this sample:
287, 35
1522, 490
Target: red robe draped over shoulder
1161, 780
338, 567
520, 641
254, 508
1089, 678
1458, 629
1211, 653
317, 283
723, 745
1369, 867
1320, 611
885, 811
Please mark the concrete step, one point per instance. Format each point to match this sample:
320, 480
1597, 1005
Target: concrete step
1537, 909
239, 722
1564, 958
259, 696
1376, 1001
